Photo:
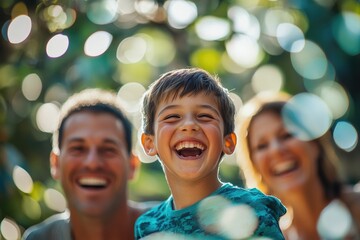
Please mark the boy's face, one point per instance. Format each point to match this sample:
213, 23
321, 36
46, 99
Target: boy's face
93, 165
189, 137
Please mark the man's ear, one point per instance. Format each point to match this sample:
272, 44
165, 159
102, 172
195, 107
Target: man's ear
147, 142
230, 143
134, 164
54, 165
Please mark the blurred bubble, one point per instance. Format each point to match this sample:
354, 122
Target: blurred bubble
212, 28
244, 22
244, 50
267, 78
230, 65
132, 49
19, 29
209, 212
310, 62
31, 87
47, 117
102, 11
31, 208
306, 116
130, 96
236, 100
9, 229
286, 220
273, 18
126, 7
20, 105
345, 136
97, 43
22, 179
335, 221
290, 37
335, 97
238, 222
312, 84
180, 13
55, 200
19, 9
171, 236
57, 46
346, 31
326, 3
206, 58
160, 47
3, 108
147, 8
56, 93
4, 30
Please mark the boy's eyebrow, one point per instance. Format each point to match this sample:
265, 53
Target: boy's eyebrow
200, 105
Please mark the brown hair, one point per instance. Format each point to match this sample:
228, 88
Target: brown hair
328, 164
188, 81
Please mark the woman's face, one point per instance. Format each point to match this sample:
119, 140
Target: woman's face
284, 162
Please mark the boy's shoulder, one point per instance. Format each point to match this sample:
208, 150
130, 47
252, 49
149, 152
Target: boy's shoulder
54, 227
252, 197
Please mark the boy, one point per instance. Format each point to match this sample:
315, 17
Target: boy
188, 123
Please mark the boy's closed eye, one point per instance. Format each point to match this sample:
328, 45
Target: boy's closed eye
206, 116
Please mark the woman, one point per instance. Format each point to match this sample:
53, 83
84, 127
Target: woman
302, 174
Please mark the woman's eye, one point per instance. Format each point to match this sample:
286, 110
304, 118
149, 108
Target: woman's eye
261, 146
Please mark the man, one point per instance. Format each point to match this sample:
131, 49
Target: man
92, 159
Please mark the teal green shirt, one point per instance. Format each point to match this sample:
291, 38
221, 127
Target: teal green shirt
257, 216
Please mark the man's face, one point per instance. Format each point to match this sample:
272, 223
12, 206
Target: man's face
93, 165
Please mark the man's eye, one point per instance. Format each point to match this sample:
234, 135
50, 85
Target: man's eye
109, 151
76, 149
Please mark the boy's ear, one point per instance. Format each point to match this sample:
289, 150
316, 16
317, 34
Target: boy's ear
230, 143
54, 165
147, 142
134, 164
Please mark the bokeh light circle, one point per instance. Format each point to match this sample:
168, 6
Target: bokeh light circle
307, 116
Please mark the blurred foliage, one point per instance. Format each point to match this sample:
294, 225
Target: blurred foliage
147, 38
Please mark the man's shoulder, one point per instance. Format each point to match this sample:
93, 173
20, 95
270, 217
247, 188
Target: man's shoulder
54, 227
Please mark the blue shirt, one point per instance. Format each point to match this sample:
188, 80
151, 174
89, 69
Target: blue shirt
229, 212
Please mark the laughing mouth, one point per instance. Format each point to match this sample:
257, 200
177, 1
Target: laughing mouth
92, 182
285, 167
189, 149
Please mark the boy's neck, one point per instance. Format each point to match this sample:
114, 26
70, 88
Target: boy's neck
186, 193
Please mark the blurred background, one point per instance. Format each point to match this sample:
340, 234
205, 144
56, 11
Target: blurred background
50, 49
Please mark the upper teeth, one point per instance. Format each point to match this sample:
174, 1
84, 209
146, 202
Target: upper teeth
284, 166
92, 181
183, 145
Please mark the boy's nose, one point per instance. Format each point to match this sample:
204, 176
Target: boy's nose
190, 124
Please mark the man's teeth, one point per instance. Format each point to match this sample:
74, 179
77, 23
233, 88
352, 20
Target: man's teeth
98, 182
184, 145
284, 167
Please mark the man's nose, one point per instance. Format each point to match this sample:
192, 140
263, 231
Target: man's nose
93, 159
